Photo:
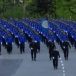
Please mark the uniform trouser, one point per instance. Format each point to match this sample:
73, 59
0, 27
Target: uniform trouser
50, 54
9, 50
66, 54
55, 63
21, 50
33, 55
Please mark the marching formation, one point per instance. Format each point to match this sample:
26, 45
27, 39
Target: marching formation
26, 30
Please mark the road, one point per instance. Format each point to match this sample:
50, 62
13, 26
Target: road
22, 65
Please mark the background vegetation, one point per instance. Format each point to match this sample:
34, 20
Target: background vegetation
62, 9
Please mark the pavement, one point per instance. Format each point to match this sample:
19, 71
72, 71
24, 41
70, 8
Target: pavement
17, 64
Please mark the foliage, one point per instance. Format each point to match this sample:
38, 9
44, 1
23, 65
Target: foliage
65, 9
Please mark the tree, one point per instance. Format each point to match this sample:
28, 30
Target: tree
47, 7
42, 6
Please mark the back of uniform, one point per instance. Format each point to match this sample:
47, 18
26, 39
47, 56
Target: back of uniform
51, 48
9, 48
65, 47
55, 56
22, 48
38, 47
33, 47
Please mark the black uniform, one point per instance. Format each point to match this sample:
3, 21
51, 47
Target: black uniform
65, 47
55, 55
72, 41
22, 48
38, 47
17, 42
3, 42
33, 50
51, 48
9, 48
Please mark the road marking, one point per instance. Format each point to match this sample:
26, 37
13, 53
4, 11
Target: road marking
62, 65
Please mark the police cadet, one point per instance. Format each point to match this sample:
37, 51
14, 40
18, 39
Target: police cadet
51, 47
33, 48
17, 41
47, 43
65, 47
22, 44
3, 42
55, 56
71, 39
22, 47
9, 48
38, 46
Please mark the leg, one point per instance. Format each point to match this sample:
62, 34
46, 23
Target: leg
35, 55
54, 63
67, 54
50, 54
32, 54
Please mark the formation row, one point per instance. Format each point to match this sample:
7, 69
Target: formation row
21, 31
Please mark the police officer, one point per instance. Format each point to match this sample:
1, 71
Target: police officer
3, 42
22, 47
47, 43
38, 47
9, 48
71, 39
65, 47
33, 48
55, 55
51, 48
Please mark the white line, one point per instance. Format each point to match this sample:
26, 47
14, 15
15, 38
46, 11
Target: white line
62, 65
